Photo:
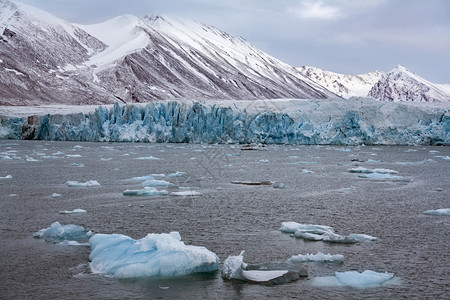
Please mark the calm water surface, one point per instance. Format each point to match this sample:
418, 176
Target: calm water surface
227, 218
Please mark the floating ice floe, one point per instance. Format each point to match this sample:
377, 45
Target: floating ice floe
82, 184
73, 155
156, 255
443, 157
186, 193
77, 211
381, 176
6, 177
319, 257
105, 159
322, 233
354, 279
147, 158
369, 171
304, 163
58, 233
30, 159
438, 212
177, 174
279, 185
80, 165
263, 160
235, 268
414, 162
156, 182
147, 191
56, 195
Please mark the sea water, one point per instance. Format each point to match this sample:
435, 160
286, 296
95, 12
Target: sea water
225, 218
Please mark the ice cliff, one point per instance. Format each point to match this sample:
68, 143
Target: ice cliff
288, 121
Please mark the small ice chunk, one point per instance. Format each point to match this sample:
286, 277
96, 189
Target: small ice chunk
147, 158
438, 212
82, 184
73, 155
383, 176
56, 195
263, 276
368, 171
155, 182
363, 237
263, 161
305, 171
337, 238
58, 233
186, 193
105, 159
177, 174
147, 191
443, 157
29, 158
365, 279
6, 177
156, 255
292, 227
279, 185
80, 165
77, 211
319, 257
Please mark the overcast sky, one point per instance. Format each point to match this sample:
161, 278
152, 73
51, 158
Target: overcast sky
344, 36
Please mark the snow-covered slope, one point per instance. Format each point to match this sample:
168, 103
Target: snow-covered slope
401, 84
47, 60
343, 85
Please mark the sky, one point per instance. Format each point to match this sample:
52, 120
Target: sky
343, 36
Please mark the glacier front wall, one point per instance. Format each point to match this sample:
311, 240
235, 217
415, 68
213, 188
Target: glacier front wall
336, 121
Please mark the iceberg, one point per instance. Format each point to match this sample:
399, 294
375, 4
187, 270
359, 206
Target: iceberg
354, 279
438, 212
156, 182
77, 211
235, 268
82, 184
322, 233
319, 257
156, 255
353, 121
58, 233
147, 191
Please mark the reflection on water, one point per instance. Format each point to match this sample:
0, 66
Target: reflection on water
226, 218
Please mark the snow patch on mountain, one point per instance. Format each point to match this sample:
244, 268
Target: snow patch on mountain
401, 84
343, 85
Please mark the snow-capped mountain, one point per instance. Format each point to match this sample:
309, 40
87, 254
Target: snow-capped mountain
45, 60
343, 85
401, 84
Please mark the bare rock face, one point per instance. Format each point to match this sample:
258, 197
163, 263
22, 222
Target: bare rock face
401, 84
46, 60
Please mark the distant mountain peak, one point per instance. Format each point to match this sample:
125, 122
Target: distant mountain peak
401, 84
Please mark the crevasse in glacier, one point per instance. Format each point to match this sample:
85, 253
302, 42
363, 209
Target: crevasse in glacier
287, 121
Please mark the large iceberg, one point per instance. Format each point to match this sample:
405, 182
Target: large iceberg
156, 255
284, 121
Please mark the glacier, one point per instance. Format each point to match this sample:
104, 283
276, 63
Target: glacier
355, 121
156, 255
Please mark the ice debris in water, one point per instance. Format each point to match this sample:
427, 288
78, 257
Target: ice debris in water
156, 182
6, 177
354, 279
56, 195
80, 165
147, 158
438, 212
319, 257
77, 211
156, 255
279, 185
186, 193
305, 171
147, 191
235, 268
177, 174
368, 171
381, 176
29, 158
58, 233
322, 233
82, 184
